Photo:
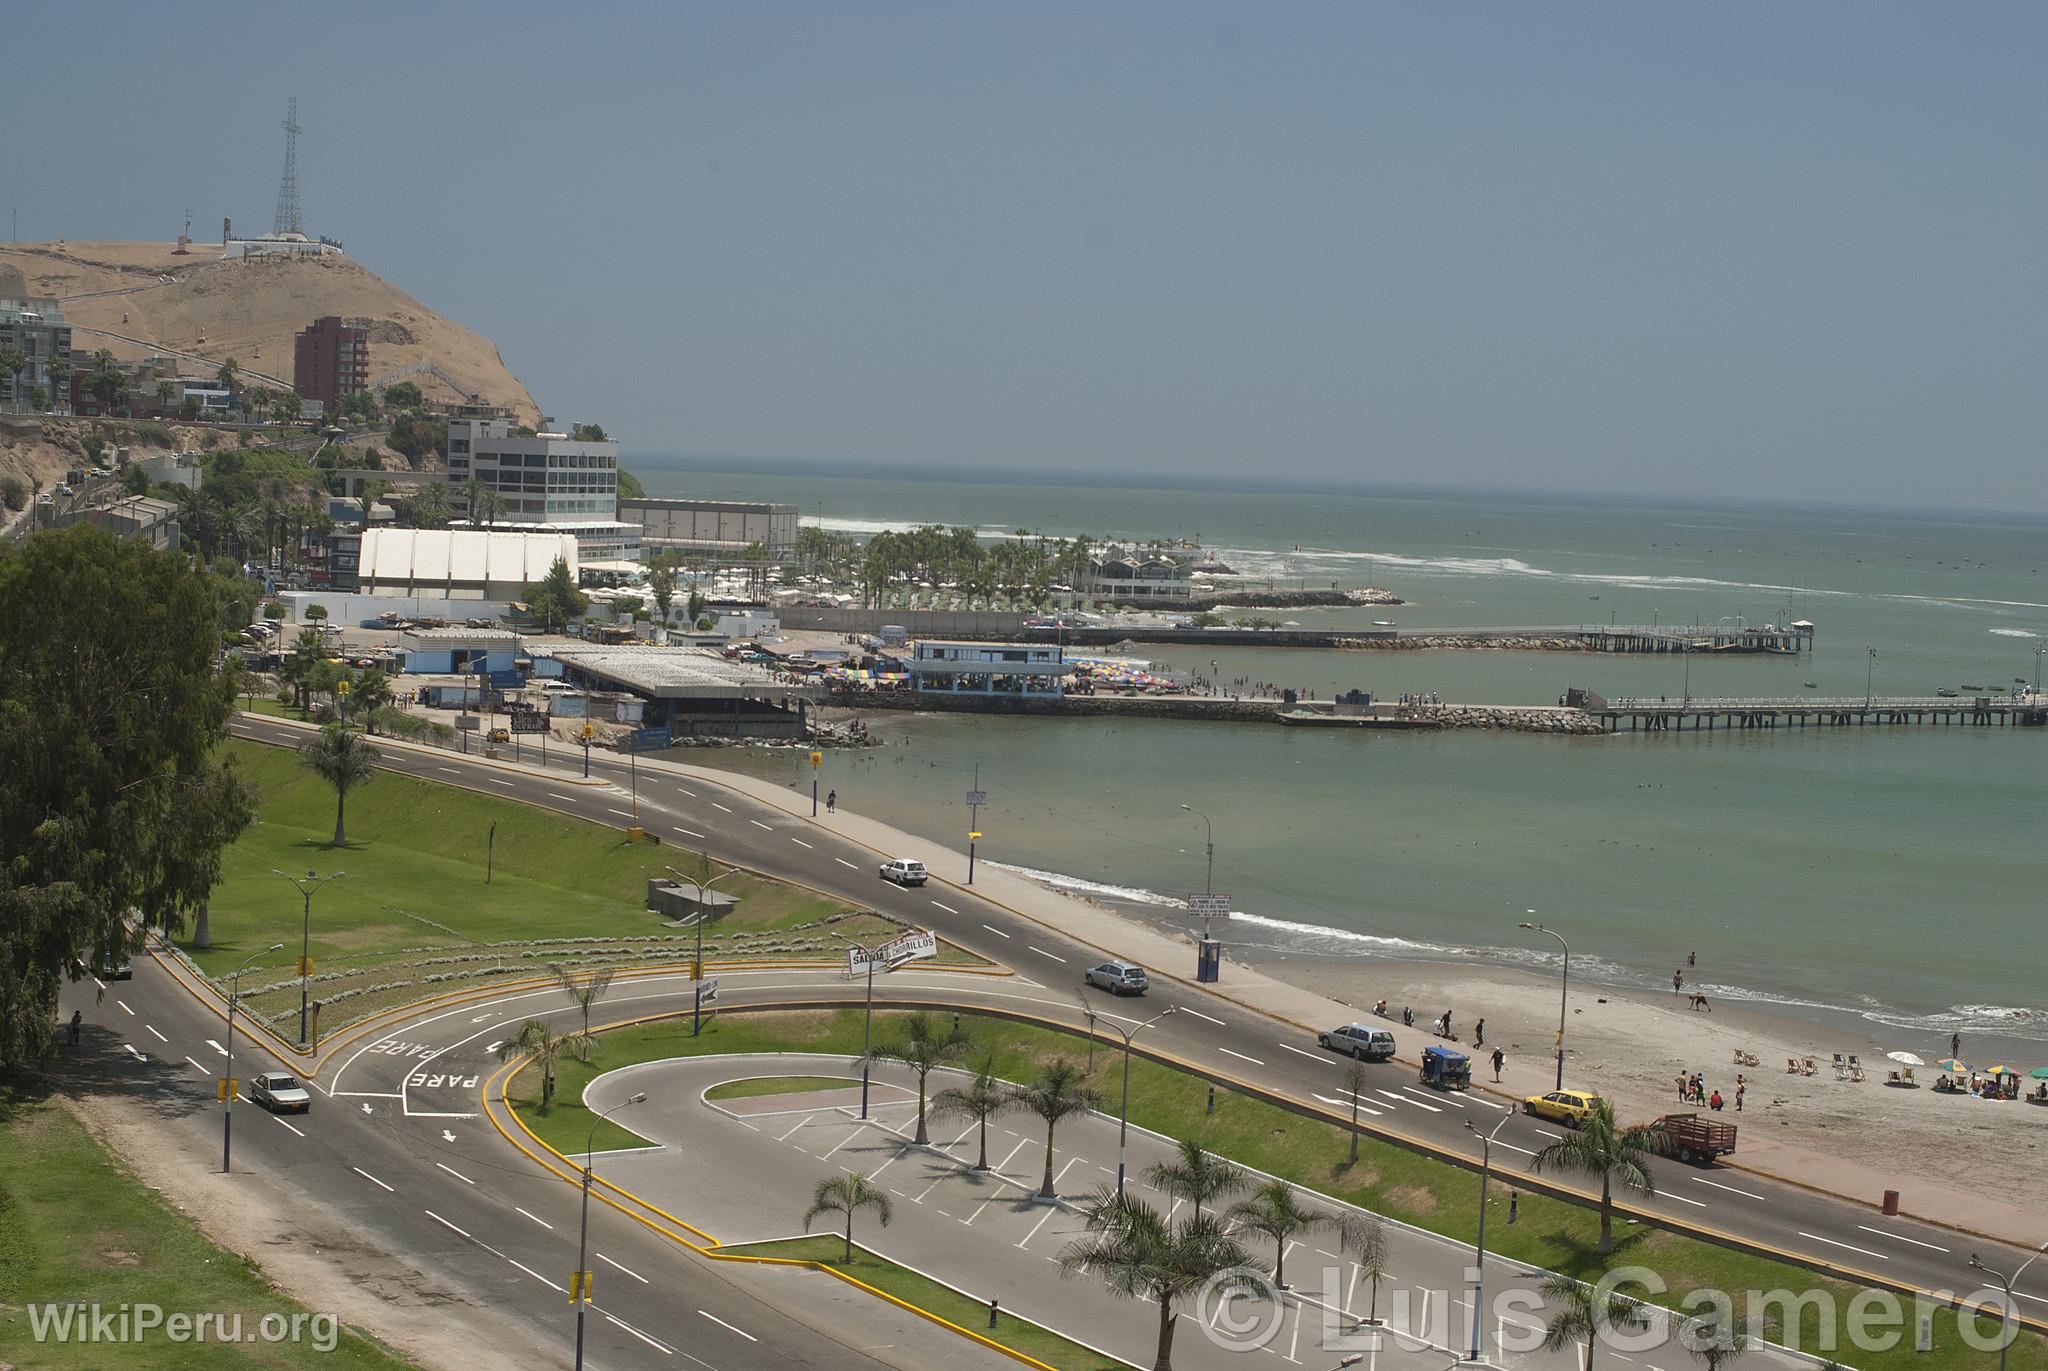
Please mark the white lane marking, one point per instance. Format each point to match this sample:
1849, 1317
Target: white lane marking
848, 865
664, 1350
495, 1046
133, 1053
100, 983
565, 799
723, 1324
1181, 1008
1421, 1104
800, 842
389, 1191
997, 931
449, 769
499, 780
1548, 1134
1747, 1195
627, 1269
216, 1047
1832, 1243
716, 805
687, 791
1420, 1096
438, 1219
948, 908
1042, 952
1527, 1152
689, 833
1050, 1210
1241, 1057
765, 829
159, 1037
281, 1121
456, 1174
622, 813
202, 1070
1363, 1107
1901, 1237
1312, 1056
537, 1276
1697, 1204
124, 1007
1481, 1099
535, 1217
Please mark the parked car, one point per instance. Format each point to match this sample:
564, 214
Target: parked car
1358, 1040
112, 968
1118, 978
280, 1092
1563, 1106
903, 871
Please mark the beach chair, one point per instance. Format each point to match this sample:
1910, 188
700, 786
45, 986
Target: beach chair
1854, 1065
1809, 1069
1856, 1075
1907, 1077
1792, 1067
1892, 1078
1838, 1062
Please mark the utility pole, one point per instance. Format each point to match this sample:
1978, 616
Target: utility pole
976, 798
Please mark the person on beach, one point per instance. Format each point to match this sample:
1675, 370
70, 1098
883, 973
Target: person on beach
1740, 1086
1715, 1103
1677, 981
1479, 1034
1380, 1009
1499, 1059
1684, 1083
1447, 1023
1407, 1017
1955, 1046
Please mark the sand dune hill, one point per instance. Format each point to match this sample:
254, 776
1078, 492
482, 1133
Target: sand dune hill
249, 309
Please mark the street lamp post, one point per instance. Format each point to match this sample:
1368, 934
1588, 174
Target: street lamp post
581, 1282
867, 1023
1209, 850
2006, 1283
2040, 647
1869, 676
1564, 991
1123, 1122
227, 1118
702, 916
306, 888
1479, 1265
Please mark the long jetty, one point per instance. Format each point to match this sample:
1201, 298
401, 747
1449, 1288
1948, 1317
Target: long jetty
1702, 715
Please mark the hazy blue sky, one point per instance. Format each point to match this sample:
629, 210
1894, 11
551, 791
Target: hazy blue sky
1741, 249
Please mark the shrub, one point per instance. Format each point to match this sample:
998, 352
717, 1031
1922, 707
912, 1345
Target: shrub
13, 492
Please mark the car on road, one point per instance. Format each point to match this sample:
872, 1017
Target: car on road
1362, 1041
904, 871
1562, 1106
112, 968
1118, 978
280, 1092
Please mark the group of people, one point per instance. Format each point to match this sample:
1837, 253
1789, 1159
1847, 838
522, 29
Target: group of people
1692, 1089
1440, 1026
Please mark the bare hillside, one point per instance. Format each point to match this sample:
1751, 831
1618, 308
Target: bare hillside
212, 308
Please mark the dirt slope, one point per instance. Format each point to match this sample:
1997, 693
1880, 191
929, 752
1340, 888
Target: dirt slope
249, 309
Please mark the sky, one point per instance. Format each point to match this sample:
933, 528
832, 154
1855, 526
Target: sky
1752, 250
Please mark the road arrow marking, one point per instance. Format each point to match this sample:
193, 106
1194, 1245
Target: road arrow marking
447, 1136
132, 1052
216, 1047
480, 1018
495, 1046
366, 1106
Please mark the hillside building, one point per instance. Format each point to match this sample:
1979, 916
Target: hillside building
331, 361
547, 478
36, 325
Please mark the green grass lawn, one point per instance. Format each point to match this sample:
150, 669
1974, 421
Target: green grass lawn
778, 1085
928, 1294
415, 913
76, 1226
1390, 1180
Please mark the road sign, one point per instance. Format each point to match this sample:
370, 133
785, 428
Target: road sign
341, 686
817, 758
1206, 905
977, 797
914, 946
973, 835
708, 991
589, 731
468, 723
224, 1088
305, 966
650, 739
857, 957
579, 1287
529, 721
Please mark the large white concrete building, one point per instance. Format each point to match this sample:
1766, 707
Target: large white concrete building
548, 478
457, 564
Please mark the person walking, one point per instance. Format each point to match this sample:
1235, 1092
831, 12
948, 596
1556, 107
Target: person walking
1499, 1059
1955, 1046
1479, 1034
1447, 1023
1740, 1086
77, 1022
1677, 981
831, 802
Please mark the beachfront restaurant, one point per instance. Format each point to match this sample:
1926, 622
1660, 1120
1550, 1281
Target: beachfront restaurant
1021, 669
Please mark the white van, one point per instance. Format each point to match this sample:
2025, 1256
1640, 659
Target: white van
904, 871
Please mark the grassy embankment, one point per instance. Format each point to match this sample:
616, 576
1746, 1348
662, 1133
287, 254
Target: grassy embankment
778, 1085
1390, 1180
77, 1227
415, 916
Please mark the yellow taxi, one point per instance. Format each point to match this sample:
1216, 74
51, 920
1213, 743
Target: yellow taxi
1565, 1106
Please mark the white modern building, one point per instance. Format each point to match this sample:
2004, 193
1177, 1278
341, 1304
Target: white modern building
457, 564
987, 669
548, 478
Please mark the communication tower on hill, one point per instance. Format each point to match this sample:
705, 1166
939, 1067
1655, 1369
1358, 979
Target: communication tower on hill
288, 188
184, 248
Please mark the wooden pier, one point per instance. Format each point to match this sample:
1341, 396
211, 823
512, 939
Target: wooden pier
1784, 639
1701, 715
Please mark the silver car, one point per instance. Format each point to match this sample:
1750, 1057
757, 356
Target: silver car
1118, 978
280, 1092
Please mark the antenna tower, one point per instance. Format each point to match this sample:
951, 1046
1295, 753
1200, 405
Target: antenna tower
288, 188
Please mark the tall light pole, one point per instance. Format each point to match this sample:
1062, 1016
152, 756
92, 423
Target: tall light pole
306, 888
867, 1023
2007, 1282
1123, 1122
703, 916
1869, 676
227, 1118
1479, 1265
2040, 646
1564, 991
580, 1284
1209, 852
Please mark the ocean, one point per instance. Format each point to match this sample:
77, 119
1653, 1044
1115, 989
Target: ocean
1893, 875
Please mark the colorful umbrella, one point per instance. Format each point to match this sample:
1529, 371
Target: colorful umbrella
2039, 1073
1905, 1059
1953, 1064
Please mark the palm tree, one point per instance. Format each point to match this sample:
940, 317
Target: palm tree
1140, 1255
981, 1101
307, 652
1197, 1176
1367, 1234
342, 759
1055, 1094
368, 693
924, 1047
13, 361
846, 1195
229, 375
1273, 1211
1599, 1147
547, 1048
1714, 1341
1584, 1313
485, 504
585, 993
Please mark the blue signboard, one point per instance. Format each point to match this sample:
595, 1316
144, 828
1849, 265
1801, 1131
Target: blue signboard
650, 739
505, 680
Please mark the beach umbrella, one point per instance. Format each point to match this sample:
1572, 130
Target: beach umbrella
2039, 1073
1954, 1064
1905, 1059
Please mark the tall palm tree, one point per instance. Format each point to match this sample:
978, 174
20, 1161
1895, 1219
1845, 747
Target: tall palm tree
1197, 1176
547, 1047
369, 692
1600, 1147
342, 759
1139, 1254
486, 506
980, 1101
1055, 1094
847, 1195
586, 992
307, 652
924, 1047
1273, 1210
1365, 1234
1584, 1313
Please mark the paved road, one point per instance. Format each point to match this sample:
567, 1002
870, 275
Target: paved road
1207, 1033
